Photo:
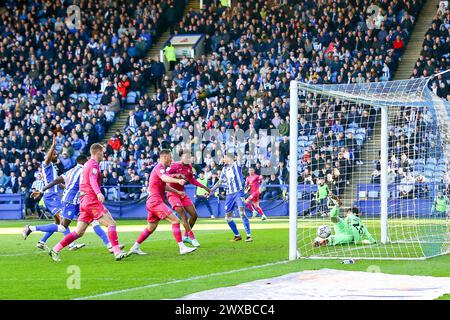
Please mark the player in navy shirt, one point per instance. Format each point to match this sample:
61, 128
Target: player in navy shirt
235, 183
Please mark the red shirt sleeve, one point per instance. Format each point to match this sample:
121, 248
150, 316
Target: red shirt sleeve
192, 180
161, 171
93, 176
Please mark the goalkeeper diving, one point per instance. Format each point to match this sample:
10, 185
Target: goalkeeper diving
348, 230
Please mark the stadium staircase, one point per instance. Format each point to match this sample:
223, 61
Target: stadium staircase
370, 153
154, 51
414, 46
363, 173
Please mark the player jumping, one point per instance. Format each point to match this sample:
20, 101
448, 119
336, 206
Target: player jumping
157, 209
350, 230
232, 175
252, 202
71, 203
91, 206
184, 205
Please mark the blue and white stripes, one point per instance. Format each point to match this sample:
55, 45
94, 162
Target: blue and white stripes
50, 173
233, 177
72, 185
38, 185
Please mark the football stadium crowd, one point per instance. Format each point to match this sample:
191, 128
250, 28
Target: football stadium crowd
435, 54
414, 143
72, 83
57, 79
254, 49
416, 165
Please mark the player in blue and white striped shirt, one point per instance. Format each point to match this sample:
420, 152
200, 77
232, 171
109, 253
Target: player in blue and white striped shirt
71, 205
235, 182
52, 199
53, 202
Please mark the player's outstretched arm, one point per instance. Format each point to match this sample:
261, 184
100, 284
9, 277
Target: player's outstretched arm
168, 179
191, 179
334, 213
49, 156
58, 180
214, 187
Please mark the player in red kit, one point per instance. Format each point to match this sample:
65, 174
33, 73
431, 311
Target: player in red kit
252, 182
91, 206
156, 208
184, 205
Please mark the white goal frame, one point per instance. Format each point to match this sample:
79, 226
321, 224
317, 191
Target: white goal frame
295, 87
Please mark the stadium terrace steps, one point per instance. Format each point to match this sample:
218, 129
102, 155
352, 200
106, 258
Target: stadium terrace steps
363, 173
154, 51
121, 120
414, 46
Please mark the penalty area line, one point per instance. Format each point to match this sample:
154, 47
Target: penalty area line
154, 285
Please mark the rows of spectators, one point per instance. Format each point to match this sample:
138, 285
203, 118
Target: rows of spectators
70, 77
254, 50
435, 55
415, 150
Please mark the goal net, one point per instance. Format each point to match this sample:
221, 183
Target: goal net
383, 150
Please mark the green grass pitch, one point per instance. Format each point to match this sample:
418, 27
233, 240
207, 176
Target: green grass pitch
27, 273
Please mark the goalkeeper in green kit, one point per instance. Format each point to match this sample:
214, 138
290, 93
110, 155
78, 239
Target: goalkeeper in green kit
350, 230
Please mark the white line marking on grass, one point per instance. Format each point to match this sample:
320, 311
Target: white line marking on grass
166, 227
110, 293
16, 254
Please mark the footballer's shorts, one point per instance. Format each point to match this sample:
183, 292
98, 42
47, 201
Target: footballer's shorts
53, 204
176, 201
254, 197
234, 200
91, 209
70, 211
156, 211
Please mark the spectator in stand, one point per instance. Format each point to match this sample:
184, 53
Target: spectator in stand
273, 190
257, 48
440, 205
157, 70
66, 161
114, 143
170, 55
123, 87
201, 195
4, 179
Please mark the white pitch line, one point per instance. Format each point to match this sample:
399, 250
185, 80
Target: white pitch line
16, 254
167, 227
110, 293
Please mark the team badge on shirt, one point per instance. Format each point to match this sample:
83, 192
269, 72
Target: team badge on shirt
94, 171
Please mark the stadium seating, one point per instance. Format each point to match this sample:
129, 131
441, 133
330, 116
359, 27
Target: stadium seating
435, 54
253, 50
55, 78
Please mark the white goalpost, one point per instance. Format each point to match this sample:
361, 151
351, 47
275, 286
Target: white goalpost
382, 149
293, 134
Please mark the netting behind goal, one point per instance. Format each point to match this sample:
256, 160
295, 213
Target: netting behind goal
382, 148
